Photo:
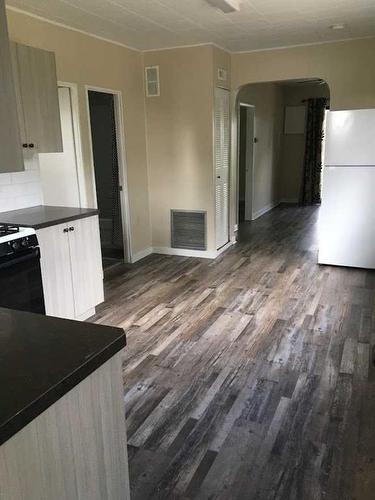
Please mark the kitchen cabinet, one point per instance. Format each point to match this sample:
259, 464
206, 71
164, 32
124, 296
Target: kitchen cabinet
34, 72
10, 146
72, 270
62, 418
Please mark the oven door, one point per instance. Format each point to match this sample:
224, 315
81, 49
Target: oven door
21, 282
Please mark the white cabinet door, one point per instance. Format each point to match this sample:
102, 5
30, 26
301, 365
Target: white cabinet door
56, 271
222, 144
86, 264
37, 98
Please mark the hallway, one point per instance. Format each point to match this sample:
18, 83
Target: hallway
248, 377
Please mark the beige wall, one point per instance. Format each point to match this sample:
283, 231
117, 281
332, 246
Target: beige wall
177, 171
179, 138
347, 67
268, 101
221, 59
86, 60
293, 145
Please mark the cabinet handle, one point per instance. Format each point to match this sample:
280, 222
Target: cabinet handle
65, 230
24, 145
31, 145
71, 228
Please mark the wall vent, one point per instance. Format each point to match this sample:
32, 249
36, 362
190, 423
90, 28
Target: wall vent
188, 229
222, 74
152, 81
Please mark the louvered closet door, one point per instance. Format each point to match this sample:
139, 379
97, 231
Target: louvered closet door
222, 141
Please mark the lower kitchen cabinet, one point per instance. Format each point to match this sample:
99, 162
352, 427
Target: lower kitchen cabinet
72, 270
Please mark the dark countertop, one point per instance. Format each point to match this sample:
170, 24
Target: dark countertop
45, 216
42, 358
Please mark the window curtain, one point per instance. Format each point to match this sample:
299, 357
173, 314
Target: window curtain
310, 193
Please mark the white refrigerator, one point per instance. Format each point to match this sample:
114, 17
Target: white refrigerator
347, 213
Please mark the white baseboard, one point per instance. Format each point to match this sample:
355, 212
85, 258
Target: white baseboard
202, 254
225, 247
141, 254
264, 210
289, 200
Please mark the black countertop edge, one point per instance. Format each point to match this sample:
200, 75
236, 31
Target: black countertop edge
56, 392
42, 216
56, 222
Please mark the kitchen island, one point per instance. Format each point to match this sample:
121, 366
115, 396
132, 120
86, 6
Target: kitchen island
62, 422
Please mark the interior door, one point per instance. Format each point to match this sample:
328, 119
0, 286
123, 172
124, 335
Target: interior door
222, 151
58, 171
250, 125
56, 271
86, 264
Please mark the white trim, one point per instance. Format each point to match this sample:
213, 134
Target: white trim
182, 252
189, 46
205, 254
235, 227
202, 254
71, 28
141, 254
225, 247
74, 101
295, 46
250, 106
123, 169
264, 210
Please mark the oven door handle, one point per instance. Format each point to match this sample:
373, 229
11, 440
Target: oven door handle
34, 254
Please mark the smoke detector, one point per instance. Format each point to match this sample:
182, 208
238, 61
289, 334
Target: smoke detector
226, 6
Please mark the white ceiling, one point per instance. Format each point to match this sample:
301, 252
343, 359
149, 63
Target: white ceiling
260, 24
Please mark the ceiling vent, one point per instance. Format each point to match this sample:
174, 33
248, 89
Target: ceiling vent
152, 81
226, 6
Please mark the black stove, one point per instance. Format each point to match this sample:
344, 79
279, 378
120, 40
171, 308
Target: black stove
6, 229
20, 272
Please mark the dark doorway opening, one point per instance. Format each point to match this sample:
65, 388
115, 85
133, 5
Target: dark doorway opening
106, 167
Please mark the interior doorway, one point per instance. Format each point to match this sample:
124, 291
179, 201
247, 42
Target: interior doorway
60, 173
109, 171
246, 162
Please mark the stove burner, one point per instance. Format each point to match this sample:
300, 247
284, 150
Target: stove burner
6, 229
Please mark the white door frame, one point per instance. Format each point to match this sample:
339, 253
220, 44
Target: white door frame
74, 101
249, 196
121, 156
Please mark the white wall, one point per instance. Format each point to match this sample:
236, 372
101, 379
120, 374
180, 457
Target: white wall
21, 189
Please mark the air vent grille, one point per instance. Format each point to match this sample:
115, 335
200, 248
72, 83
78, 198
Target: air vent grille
152, 81
188, 229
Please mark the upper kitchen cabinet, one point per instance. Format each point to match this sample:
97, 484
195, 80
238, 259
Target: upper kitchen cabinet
37, 98
11, 158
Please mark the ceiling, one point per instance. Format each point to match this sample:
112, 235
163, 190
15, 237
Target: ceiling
260, 24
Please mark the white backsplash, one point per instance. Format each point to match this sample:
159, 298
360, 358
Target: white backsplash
22, 189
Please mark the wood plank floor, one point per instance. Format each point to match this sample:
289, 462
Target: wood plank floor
251, 376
